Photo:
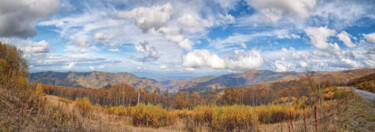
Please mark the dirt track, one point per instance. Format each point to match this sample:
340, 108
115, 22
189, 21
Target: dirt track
365, 94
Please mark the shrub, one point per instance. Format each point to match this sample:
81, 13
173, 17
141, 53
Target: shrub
84, 106
64, 100
328, 92
227, 118
119, 110
150, 116
367, 86
340, 94
334, 93
273, 113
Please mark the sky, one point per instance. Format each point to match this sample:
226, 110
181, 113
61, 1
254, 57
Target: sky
190, 38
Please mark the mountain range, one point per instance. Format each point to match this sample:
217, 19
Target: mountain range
94, 79
201, 84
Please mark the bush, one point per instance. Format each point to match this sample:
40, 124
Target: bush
119, 110
150, 116
367, 86
328, 92
274, 113
334, 93
340, 94
84, 106
227, 118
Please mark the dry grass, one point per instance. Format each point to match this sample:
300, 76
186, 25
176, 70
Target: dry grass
61, 115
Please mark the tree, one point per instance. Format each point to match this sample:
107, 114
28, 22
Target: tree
39, 89
309, 77
230, 96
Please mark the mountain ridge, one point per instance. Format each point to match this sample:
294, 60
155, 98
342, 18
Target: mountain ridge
99, 79
94, 79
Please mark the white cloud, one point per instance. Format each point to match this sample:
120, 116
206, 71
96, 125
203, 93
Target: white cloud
30, 48
190, 20
174, 34
69, 66
283, 65
243, 45
149, 52
82, 41
370, 63
149, 17
91, 67
17, 18
370, 37
106, 39
163, 67
339, 14
114, 50
291, 36
319, 37
274, 10
346, 38
239, 61
198, 58
244, 60
237, 39
36, 47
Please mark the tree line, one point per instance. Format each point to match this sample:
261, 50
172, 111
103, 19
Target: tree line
125, 95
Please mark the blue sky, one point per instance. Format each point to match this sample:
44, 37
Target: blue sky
190, 38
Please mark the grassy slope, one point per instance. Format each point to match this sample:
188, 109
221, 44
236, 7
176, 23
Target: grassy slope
358, 116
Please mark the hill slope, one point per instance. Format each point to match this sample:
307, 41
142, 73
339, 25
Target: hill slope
93, 79
177, 85
242, 79
362, 79
263, 78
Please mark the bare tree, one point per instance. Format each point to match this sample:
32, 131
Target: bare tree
309, 77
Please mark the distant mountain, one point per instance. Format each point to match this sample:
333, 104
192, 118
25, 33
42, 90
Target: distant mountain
93, 79
201, 84
177, 85
243, 79
342, 77
264, 78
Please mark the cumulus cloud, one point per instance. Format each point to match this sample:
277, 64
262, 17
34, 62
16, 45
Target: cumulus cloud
198, 58
149, 17
239, 61
91, 67
244, 60
36, 47
82, 41
346, 38
274, 10
370, 37
105, 38
283, 65
69, 66
175, 35
190, 20
149, 52
319, 37
30, 48
17, 18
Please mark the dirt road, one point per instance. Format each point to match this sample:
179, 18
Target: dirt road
368, 95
